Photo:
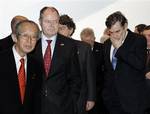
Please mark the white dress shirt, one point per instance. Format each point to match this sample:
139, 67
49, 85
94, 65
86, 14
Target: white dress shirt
17, 60
45, 44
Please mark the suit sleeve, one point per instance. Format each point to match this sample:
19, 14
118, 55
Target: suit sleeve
91, 76
74, 74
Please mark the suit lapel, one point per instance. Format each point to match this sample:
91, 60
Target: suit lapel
14, 75
57, 55
128, 41
39, 56
29, 77
38, 52
107, 53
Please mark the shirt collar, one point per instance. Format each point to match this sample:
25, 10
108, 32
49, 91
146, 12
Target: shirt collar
53, 38
17, 56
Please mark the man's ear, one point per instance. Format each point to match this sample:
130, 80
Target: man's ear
14, 37
126, 26
40, 21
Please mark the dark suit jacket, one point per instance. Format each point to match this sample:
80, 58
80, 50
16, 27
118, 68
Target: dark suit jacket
99, 62
10, 100
61, 88
128, 78
6, 43
87, 68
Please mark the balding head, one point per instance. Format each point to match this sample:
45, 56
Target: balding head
87, 35
17, 19
49, 21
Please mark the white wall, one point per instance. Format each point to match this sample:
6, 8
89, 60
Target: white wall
86, 13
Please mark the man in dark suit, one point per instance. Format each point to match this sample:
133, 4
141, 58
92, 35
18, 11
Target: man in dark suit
87, 96
61, 81
146, 33
9, 41
87, 35
20, 82
125, 90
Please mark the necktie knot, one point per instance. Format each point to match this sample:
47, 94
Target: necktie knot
22, 60
49, 42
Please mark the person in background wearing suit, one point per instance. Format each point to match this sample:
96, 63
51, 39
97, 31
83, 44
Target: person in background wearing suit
20, 77
9, 41
59, 63
146, 33
88, 88
87, 35
125, 90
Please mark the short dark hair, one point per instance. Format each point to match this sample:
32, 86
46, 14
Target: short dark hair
68, 21
140, 27
147, 27
45, 8
115, 17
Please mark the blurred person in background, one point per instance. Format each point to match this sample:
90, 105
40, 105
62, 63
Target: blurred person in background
87, 35
87, 95
9, 41
139, 28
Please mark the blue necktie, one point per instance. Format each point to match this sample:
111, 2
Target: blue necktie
114, 59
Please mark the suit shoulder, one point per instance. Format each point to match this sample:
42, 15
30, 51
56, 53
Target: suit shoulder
98, 45
83, 44
5, 53
138, 37
6, 38
66, 40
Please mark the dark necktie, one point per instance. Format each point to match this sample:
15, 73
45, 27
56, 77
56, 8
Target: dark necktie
47, 57
21, 78
114, 59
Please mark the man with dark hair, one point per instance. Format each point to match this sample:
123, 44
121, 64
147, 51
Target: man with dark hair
87, 96
8, 42
125, 90
139, 28
68, 23
87, 35
59, 64
146, 33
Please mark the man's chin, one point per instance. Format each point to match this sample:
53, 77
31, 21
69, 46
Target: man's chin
28, 50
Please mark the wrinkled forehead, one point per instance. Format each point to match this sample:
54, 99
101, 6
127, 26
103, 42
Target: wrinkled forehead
28, 28
50, 13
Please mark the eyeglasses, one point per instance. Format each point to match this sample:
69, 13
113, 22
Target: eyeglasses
27, 37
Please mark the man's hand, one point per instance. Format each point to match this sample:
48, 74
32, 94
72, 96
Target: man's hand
89, 105
116, 43
148, 75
